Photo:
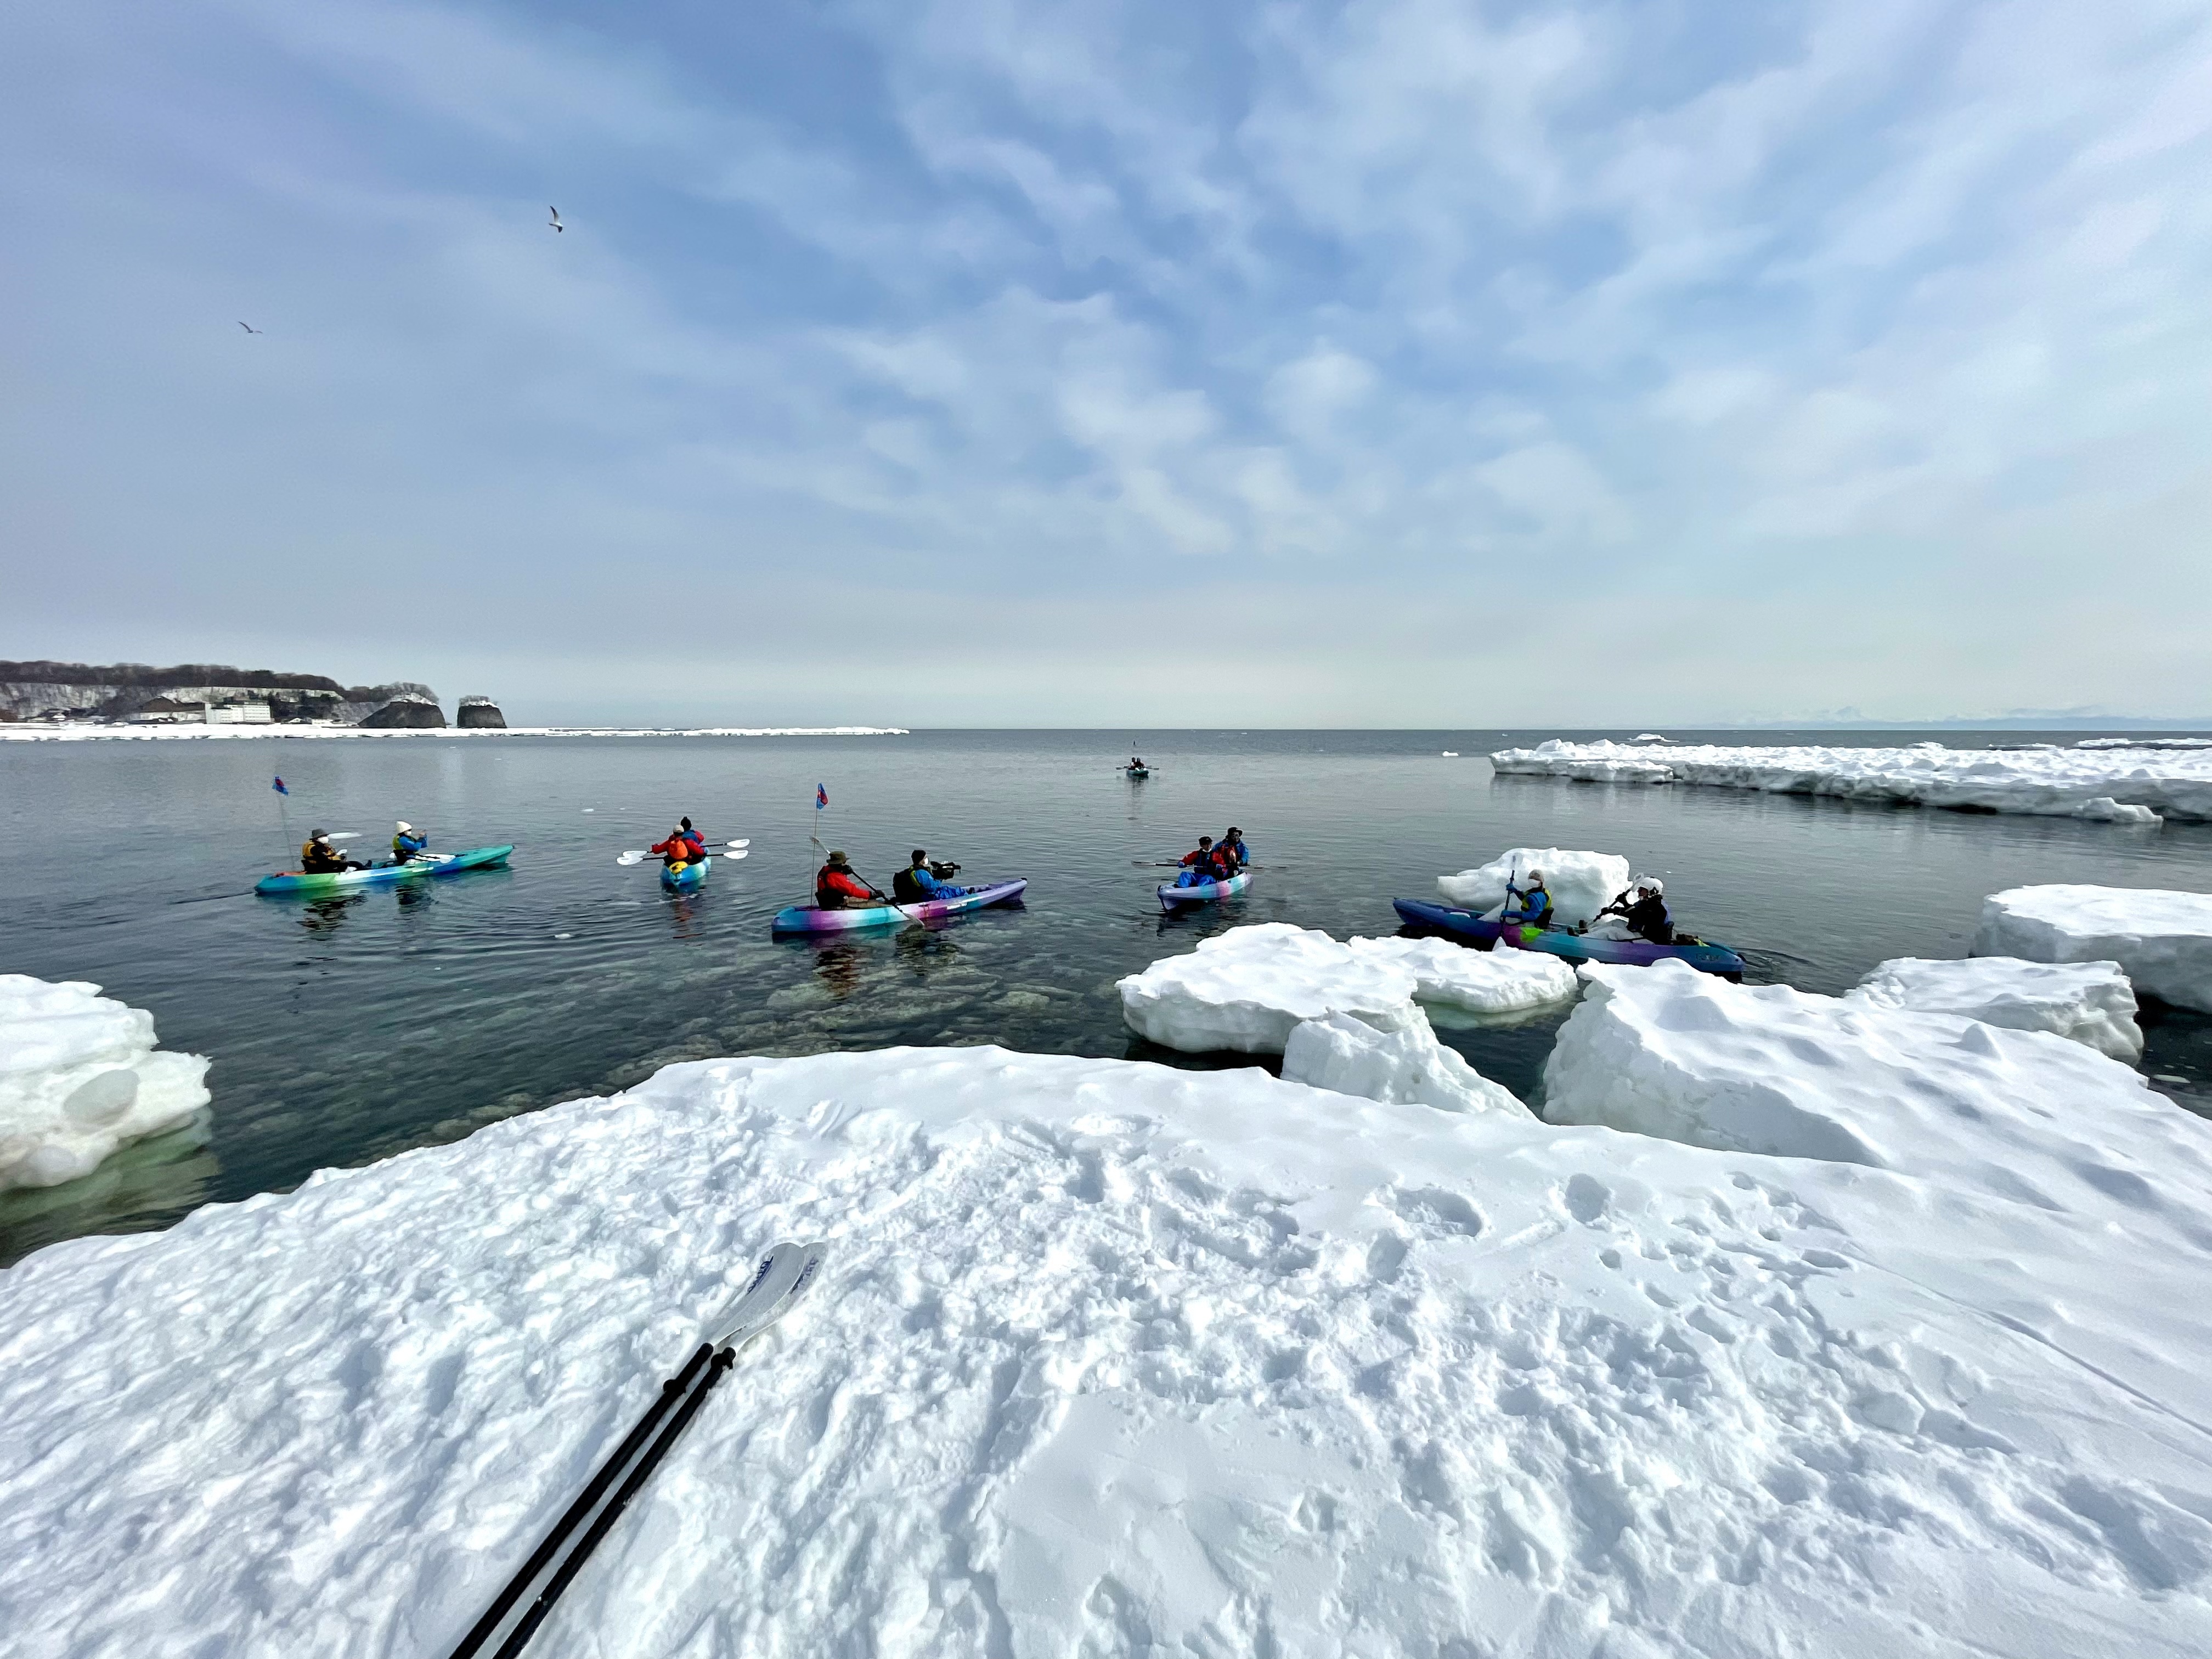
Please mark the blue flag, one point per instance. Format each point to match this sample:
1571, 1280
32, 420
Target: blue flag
279, 787
821, 798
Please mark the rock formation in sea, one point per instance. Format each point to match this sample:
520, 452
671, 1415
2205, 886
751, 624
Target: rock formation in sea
409, 710
479, 711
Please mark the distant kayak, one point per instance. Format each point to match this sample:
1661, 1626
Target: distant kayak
1138, 771
1574, 947
807, 918
684, 880
384, 875
1203, 892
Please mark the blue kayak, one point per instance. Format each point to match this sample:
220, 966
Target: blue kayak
1559, 942
684, 880
385, 875
1203, 892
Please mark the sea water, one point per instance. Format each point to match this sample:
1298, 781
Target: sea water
351, 1028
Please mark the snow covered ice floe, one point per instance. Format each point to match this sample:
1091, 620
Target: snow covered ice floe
2090, 1002
1405, 1065
80, 1077
1247, 988
1114, 1359
2023, 1115
2161, 939
1581, 884
2104, 786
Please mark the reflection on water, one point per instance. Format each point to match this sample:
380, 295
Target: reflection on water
144, 1187
324, 916
348, 1028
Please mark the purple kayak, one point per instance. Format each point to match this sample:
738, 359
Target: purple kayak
807, 918
1573, 947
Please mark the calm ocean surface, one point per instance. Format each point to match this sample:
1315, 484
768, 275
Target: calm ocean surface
350, 1030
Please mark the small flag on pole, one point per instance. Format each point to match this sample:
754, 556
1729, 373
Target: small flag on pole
821, 798
279, 787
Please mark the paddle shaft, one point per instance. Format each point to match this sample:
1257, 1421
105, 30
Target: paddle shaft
573, 1517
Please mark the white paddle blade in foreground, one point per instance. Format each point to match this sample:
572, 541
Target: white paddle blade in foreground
740, 846
630, 858
785, 1275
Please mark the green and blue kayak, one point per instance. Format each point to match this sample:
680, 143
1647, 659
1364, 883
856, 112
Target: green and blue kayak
384, 875
684, 880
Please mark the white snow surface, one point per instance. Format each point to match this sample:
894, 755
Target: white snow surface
2022, 1115
1406, 1064
2088, 1002
2161, 938
80, 1079
1462, 978
2121, 785
1114, 1359
36, 731
1581, 884
1247, 988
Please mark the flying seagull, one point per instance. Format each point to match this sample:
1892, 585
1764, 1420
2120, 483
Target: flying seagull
249, 328
556, 212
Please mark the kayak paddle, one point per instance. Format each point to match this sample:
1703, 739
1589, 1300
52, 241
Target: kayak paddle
736, 849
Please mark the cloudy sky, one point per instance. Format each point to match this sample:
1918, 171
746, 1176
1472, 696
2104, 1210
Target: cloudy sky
1419, 362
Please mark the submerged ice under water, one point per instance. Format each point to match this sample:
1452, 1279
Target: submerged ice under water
346, 1030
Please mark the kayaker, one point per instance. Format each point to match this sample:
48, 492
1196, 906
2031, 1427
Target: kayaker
1198, 866
1639, 913
318, 858
1229, 852
407, 843
1138, 765
918, 882
684, 846
1534, 908
836, 888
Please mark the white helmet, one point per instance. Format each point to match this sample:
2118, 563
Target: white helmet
1537, 876
1652, 885
405, 827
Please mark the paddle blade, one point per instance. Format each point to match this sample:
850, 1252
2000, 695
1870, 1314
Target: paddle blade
785, 1275
736, 845
630, 858
739, 853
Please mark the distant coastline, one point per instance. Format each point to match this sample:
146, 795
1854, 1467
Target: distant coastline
27, 732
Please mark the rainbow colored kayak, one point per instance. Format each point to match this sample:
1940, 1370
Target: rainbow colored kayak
684, 880
1203, 892
1574, 947
384, 875
805, 918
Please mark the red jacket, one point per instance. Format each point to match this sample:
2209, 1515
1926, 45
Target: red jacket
831, 879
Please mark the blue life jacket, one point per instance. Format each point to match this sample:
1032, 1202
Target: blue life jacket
1535, 905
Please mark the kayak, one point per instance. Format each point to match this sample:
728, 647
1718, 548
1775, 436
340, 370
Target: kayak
1575, 947
807, 918
1203, 892
684, 880
384, 875
1138, 771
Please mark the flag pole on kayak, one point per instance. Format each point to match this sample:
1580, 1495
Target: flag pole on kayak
283, 817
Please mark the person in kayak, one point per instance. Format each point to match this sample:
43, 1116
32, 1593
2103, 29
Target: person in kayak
1230, 852
1199, 867
318, 858
1639, 913
1137, 765
683, 848
1534, 908
408, 842
918, 882
836, 888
